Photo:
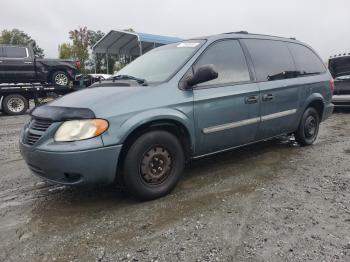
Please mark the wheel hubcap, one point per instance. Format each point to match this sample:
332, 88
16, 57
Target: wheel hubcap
15, 105
156, 165
61, 79
310, 126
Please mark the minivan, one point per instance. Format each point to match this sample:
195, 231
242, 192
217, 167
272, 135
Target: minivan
175, 103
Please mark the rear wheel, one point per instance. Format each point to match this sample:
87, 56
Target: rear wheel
15, 104
307, 131
153, 165
60, 78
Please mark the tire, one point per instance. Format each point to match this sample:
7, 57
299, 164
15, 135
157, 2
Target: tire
153, 165
15, 104
307, 132
60, 78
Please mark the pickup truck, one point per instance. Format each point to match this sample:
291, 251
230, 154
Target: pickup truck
18, 64
339, 66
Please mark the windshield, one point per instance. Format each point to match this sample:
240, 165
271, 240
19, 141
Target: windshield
159, 64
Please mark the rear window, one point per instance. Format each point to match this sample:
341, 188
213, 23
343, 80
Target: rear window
15, 52
340, 67
271, 59
306, 61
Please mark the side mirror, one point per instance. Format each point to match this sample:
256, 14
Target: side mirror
202, 74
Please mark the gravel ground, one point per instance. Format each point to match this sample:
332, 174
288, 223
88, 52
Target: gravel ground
271, 201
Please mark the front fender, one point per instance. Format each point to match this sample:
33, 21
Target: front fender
117, 133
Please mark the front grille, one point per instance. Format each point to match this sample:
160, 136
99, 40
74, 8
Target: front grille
40, 125
36, 129
32, 138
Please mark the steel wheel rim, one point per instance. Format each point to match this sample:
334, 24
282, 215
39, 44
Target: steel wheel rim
156, 165
15, 105
310, 128
61, 79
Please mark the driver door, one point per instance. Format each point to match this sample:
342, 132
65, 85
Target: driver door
226, 109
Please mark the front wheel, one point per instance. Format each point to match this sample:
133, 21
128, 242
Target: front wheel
307, 132
153, 165
60, 78
15, 104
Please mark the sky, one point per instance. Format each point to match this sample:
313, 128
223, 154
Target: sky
323, 24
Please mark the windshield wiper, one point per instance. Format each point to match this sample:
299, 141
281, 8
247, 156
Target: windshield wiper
308, 73
127, 77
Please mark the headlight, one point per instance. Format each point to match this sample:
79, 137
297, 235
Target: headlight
74, 130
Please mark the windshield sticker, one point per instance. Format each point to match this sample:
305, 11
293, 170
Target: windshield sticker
192, 44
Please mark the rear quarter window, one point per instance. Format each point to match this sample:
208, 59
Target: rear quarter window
306, 61
270, 58
15, 52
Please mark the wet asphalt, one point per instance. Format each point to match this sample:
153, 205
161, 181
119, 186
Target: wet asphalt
271, 201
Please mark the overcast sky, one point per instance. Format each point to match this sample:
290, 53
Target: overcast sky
323, 24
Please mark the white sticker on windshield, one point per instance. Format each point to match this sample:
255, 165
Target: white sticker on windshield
188, 44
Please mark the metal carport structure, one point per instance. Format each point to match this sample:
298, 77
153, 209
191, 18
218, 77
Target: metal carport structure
131, 44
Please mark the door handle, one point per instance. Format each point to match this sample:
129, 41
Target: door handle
251, 99
0, 61
28, 62
267, 97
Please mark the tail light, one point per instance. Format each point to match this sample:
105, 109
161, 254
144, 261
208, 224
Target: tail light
77, 64
332, 86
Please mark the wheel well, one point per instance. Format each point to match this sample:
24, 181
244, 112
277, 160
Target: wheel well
319, 106
173, 127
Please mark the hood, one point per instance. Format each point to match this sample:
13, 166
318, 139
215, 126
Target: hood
339, 66
92, 97
104, 100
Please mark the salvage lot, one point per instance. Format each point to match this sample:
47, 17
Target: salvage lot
270, 201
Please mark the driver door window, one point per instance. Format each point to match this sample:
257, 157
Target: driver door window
229, 61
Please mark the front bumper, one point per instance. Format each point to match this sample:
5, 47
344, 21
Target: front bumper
94, 166
341, 100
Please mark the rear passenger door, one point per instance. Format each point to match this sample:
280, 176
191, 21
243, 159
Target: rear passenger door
226, 109
17, 65
275, 73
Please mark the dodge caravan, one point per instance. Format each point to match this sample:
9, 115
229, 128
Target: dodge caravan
175, 103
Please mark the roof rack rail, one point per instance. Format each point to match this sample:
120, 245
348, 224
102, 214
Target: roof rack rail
293, 38
238, 32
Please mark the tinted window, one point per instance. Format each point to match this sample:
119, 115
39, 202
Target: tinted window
271, 59
228, 59
15, 52
306, 60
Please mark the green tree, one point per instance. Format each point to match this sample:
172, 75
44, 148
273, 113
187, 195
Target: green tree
18, 37
94, 37
80, 45
65, 51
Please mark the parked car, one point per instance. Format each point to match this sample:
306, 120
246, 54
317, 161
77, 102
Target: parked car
18, 64
175, 103
339, 66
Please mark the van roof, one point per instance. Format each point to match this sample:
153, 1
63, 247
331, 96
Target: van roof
245, 34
